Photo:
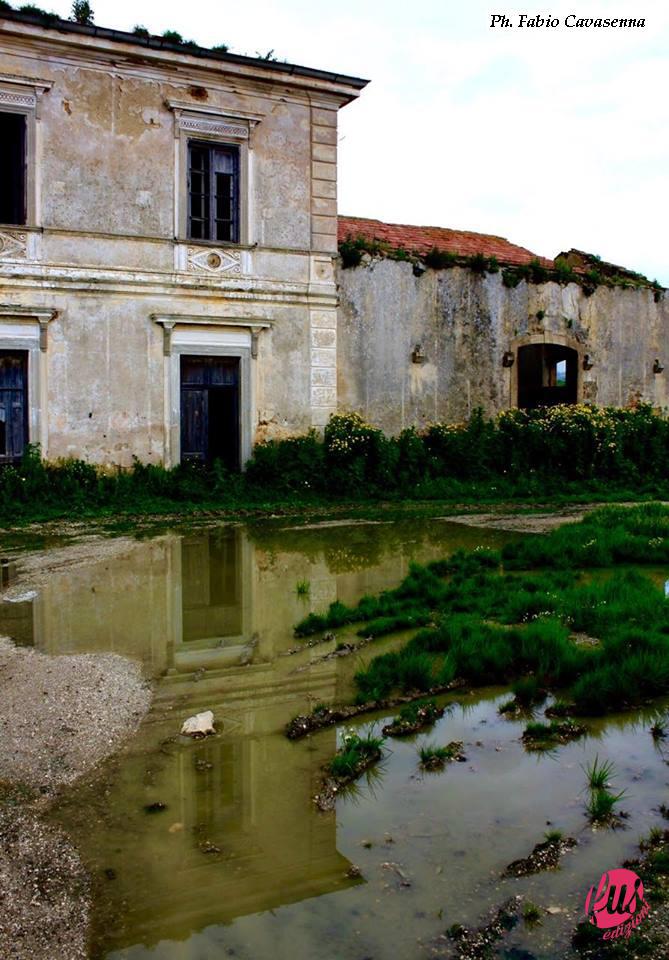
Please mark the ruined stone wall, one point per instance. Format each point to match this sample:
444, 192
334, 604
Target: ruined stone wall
465, 323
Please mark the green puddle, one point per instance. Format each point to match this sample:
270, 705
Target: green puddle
240, 863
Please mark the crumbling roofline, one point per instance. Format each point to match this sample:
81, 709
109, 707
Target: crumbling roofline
160, 43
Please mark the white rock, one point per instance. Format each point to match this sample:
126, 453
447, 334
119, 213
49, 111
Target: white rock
201, 725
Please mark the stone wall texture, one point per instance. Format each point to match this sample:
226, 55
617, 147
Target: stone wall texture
105, 251
465, 323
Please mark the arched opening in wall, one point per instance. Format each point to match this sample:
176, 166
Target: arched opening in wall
547, 374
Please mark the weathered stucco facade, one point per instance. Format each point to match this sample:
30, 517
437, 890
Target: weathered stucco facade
104, 287
168, 288
470, 328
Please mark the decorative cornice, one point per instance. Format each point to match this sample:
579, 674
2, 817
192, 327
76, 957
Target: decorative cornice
212, 121
43, 316
24, 92
36, 83
169, 320
29, 277
185, 106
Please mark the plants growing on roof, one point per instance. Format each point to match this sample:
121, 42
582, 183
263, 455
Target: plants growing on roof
82, 12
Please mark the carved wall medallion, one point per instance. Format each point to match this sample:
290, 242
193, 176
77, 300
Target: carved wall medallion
216, 261
13, 246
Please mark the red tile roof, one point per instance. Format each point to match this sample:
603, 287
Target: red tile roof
422, 239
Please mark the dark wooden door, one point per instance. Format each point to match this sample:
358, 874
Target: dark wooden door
210, 410
13, 404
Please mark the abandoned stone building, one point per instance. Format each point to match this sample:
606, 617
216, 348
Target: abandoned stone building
418, 346
169, 281
168, 225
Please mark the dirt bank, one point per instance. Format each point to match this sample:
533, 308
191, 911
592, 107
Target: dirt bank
59, 718
522, 522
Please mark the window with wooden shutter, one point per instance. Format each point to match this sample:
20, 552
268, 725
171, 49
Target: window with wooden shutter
213, 192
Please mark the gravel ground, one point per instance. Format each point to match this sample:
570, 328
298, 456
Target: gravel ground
44, 895
59, 718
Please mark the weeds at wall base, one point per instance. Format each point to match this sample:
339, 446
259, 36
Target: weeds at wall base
559, 454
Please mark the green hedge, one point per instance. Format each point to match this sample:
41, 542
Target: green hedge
552, 445
519, 453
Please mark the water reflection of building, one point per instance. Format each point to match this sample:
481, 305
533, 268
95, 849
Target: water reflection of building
221, 598
209, 614
240, 835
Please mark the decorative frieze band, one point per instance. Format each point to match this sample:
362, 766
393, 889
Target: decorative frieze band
9, 98
220, 127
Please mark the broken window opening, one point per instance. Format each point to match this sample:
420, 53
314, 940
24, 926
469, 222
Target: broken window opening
547, 375
13, 169
213, 192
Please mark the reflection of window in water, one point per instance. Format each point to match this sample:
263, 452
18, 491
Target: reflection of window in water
218, 786
17, 622
211, 586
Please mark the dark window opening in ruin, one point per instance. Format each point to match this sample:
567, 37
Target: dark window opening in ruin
12, 168
213, 192
547, 374
13, 404
210, 410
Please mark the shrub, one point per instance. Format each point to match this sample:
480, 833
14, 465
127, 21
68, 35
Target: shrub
440, 259
82, 12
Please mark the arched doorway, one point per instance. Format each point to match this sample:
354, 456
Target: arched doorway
547, 374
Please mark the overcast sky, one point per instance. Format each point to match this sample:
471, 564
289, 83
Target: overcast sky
552, 138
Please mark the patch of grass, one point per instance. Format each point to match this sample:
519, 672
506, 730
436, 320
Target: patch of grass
553, 836
302, 588
433, 757
559, 708
414, 717
528, 691
354, 754
531, 913
601, 799
538, 735
604, 538
601, 643
599, 774
381, 626
600, 804
658, 730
